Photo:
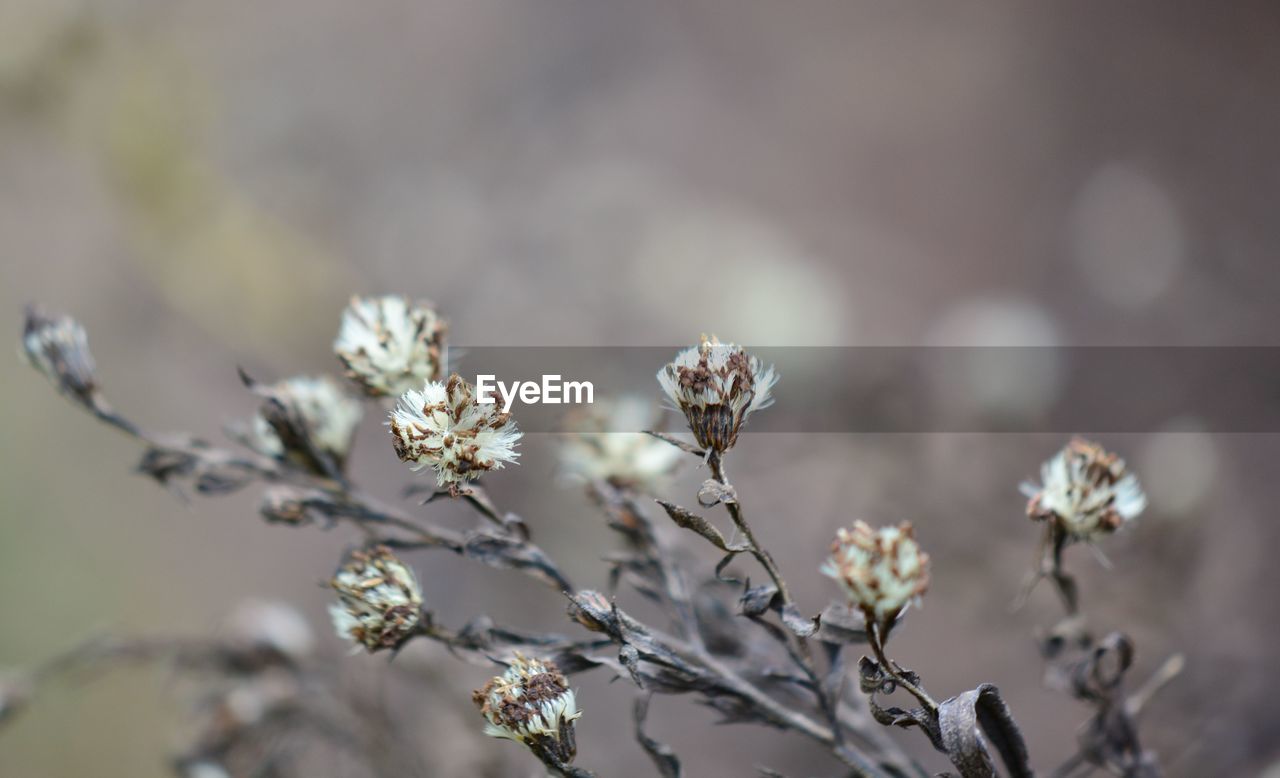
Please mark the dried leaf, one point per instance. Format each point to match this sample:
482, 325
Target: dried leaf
713, 492
701, 526
797, 622
969, 721
840, 624
678, 443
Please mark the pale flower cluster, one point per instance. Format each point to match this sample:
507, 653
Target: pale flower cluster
531, 703
1087, 490
390, 345
379, 603
606, 443
318, 408
882, 570
444, 428
58, 347
717, 386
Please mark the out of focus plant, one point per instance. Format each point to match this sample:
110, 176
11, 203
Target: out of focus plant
752, 653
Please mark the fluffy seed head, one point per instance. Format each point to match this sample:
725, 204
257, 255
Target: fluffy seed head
306, 420
604, 444
881, 570
1086, 490
444, 428
390, 345
717, 386
531, 703
58, 347
379, 603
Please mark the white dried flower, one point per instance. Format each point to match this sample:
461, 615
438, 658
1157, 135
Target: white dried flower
390, 345
881, 570
717, 386
379, 603
58, 347
1086, 490
605, 444
443, 427
272, 625
531, 703
304, 419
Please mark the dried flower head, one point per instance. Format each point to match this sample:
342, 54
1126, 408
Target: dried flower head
443, 427
531, 703
390, 345
275, 626
604, 444
881, 570
307, 420
1086, 490
379, 603
58, 347
717, 386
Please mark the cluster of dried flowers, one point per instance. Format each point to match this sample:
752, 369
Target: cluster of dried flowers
299, 445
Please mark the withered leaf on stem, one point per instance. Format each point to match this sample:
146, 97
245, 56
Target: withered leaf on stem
970, 721
695, 523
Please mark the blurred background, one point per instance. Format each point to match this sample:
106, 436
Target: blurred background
205, 184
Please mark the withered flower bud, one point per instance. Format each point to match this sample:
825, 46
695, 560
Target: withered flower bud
717, 386
591, 609
605, 444
58, 347
282, 504
881, 570
379, 603
444, 428
390, 345
308, 421
1086, 490
531, 703
274, 626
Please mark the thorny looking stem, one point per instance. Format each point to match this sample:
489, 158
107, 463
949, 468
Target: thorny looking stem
343, 501
1109, 740
876, 640
804, 658
716, 463
626, 516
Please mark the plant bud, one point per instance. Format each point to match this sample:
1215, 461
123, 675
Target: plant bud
308, 421
379, 603
717, 386
531, 703
58, 347
444, 428
1086, 490
389, 345
881, 570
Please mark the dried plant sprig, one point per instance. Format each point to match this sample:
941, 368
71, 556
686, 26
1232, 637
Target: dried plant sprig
1088, 493
390, 345
443, 427
717, 386
308, 421
702, 658
881, 570
261, 698
531, 703
379, 602
1085, 491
